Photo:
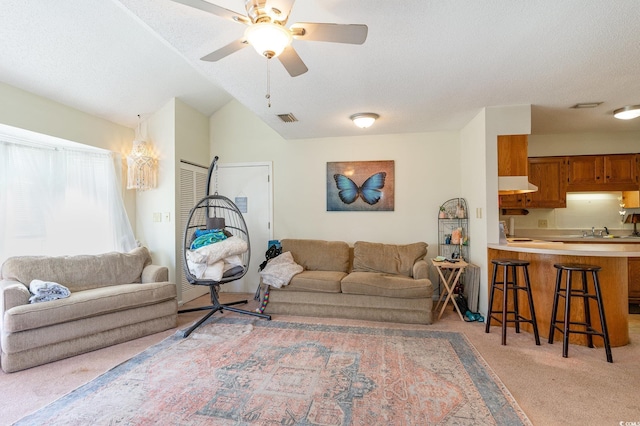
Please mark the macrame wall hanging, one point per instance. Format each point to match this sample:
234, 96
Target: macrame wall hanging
141, 164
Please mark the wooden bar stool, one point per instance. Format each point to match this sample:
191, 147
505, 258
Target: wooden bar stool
505, 285
569, 292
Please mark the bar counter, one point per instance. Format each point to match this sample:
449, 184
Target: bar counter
614, 259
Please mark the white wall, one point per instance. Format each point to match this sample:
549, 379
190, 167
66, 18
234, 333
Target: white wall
427, 173
177, 132
160, 237
584, 144
479, 141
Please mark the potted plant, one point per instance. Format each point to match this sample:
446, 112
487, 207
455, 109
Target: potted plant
443, 214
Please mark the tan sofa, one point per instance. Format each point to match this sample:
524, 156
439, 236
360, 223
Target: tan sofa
115, 297
371, 281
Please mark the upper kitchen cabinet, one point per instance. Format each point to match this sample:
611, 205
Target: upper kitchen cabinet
615, 172
548, 174
512, 155
631, 199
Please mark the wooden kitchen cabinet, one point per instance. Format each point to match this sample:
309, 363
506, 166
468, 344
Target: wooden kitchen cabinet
634, 280
631, 199
615, 172
548, 174
514, 201
512, 152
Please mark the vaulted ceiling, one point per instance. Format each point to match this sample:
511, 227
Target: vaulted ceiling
427, 65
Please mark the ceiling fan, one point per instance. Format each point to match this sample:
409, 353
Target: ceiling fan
266, 31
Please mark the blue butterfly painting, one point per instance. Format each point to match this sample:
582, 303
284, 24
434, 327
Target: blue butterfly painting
370, 191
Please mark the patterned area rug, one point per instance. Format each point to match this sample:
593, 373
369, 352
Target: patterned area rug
237, 371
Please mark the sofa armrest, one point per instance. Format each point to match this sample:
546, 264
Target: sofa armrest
420, 270
155, 274
13, 293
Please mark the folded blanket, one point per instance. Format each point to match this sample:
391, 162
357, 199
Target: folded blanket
212, 253
217, 270
206, 237
45, 291
280, 270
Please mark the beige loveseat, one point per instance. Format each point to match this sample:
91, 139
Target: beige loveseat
371, 281
115, 297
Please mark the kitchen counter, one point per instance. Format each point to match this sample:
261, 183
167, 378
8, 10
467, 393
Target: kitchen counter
569, 249
590, 240
615, 261
578, 238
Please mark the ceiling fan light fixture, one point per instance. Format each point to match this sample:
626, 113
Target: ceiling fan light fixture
628, 112
364, 119
268, 39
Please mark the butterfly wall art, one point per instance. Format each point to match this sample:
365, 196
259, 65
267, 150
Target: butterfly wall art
360, 186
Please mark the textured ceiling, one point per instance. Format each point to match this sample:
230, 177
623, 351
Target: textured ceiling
427, 65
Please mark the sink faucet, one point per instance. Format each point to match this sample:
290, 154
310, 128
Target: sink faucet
593, 231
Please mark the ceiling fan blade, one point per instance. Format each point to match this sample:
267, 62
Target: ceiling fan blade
227, 50
216, 10
292, 63
335, 33
282, 6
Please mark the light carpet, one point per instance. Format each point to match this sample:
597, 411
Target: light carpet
255, 372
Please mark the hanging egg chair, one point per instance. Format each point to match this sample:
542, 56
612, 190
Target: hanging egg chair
216, 250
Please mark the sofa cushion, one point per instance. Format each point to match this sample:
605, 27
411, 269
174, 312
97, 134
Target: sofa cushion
84, 304
387, 258
387, 285
79, 273
316, 281
318, 255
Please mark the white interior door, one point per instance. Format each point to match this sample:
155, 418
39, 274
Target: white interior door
248, 185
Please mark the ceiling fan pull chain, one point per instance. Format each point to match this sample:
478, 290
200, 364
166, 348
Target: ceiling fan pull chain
268, 96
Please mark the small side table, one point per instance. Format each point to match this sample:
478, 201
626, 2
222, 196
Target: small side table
449, 274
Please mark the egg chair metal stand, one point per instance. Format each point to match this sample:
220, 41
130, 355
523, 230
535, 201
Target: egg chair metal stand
216, 213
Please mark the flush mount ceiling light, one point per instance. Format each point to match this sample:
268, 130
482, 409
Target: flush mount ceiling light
268, 39
628, 112
364, 119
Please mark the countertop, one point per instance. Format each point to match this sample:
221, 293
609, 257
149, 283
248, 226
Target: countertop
590, 240
569, 249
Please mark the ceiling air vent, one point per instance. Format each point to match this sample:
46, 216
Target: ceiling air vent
288, 118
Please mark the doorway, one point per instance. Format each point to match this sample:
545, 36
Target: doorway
249, 186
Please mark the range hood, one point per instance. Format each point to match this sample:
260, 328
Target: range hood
513, 165
508, 185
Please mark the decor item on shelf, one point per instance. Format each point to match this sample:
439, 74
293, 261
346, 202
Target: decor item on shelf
460, 213
443, 213
456, 236
634, 218
364, 119
628, 112
141, 164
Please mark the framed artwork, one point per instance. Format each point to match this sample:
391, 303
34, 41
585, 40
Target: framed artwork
360, 186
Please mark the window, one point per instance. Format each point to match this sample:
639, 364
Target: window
59, 198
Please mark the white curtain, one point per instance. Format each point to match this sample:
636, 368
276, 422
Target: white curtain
60, 201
